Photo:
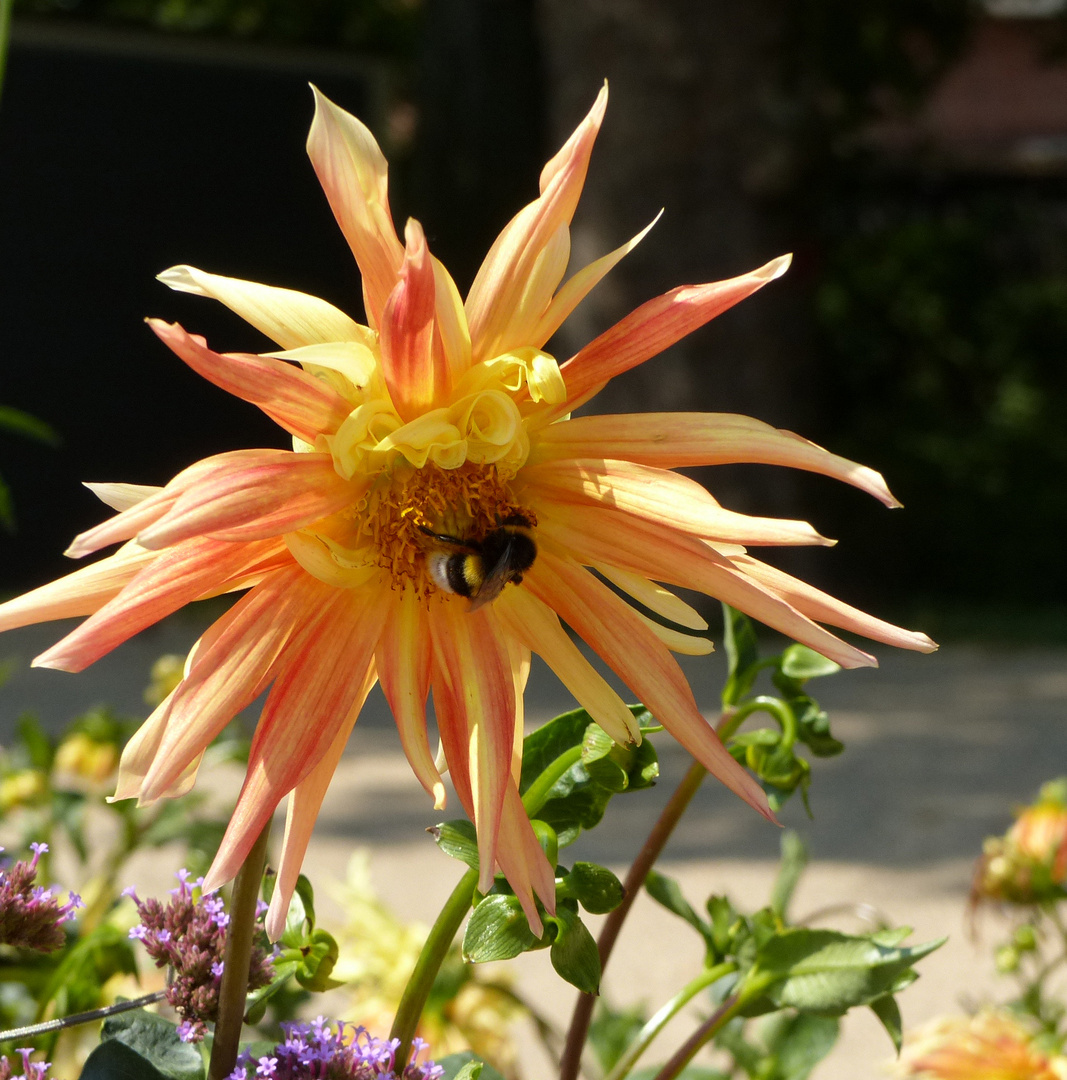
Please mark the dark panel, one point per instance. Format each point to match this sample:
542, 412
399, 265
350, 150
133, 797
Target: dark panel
116, 163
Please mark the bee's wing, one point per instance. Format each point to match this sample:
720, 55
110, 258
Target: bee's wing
450, 543
496, 577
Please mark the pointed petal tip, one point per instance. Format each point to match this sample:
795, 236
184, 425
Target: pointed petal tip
486, 877
537, 928
51, 660
439, 796
181, 279
414, 234
601, 103
213, 880
858, 659
776, 267
277, 913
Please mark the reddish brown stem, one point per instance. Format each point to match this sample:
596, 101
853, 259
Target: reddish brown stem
570, 1063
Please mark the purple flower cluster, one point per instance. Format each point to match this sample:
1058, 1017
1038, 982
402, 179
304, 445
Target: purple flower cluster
31, 1070
188, 934
31, 916
324, 1051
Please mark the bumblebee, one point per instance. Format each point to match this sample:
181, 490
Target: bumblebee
479, 569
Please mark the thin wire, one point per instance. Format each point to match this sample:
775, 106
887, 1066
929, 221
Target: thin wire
33, 1030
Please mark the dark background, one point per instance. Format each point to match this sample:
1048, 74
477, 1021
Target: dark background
922, 330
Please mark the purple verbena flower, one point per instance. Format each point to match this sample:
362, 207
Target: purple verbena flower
321, 1050
188, 934
31, 916
31, 1070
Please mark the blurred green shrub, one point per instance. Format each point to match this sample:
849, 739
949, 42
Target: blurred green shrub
373, 25
943, 324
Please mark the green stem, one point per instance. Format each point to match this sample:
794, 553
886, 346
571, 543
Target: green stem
239, 940
664, 1015
537, 793
635, 878
777, 708
703, 1034
434, 951
444, 930
5, 37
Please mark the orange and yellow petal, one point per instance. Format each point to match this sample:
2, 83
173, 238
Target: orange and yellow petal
656, 495
286, 316
305, 801
403, 662
355, 177
630, 648
321, 673
416, 374
191, 570
516, 281
654, 326
303, 405
680, 440
472, 658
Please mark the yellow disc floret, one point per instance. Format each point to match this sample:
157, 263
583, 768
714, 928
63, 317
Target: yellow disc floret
446, 472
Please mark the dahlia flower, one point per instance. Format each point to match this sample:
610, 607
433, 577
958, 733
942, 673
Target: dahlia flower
990, 1046
438, 519
1028, 864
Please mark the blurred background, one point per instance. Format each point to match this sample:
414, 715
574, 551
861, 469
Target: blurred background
912, 153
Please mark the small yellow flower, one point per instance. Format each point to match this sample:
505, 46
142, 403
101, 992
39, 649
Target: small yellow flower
439, 519
1029, 863
166, 673
82, 763
989, 1046
22, 788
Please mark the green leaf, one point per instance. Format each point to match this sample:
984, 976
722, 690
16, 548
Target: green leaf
300, 918
138, 1045
666, 891
827, 972
574, 953
613, 1030
813, 727
68, 808
797, 1042
306, 894
794, 859
7, 507
888, 1012
726, 923
742, 655
497, 930
800, 662
458, 839
465, 1066
86, 966
596, 888
320, 952
580, 796
257, 1001
34, 738
22, 423
550, 741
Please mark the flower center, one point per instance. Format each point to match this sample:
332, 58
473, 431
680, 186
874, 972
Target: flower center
442, 476
400, 520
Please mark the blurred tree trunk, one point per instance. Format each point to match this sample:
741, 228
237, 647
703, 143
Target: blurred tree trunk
480, 145
695, 125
